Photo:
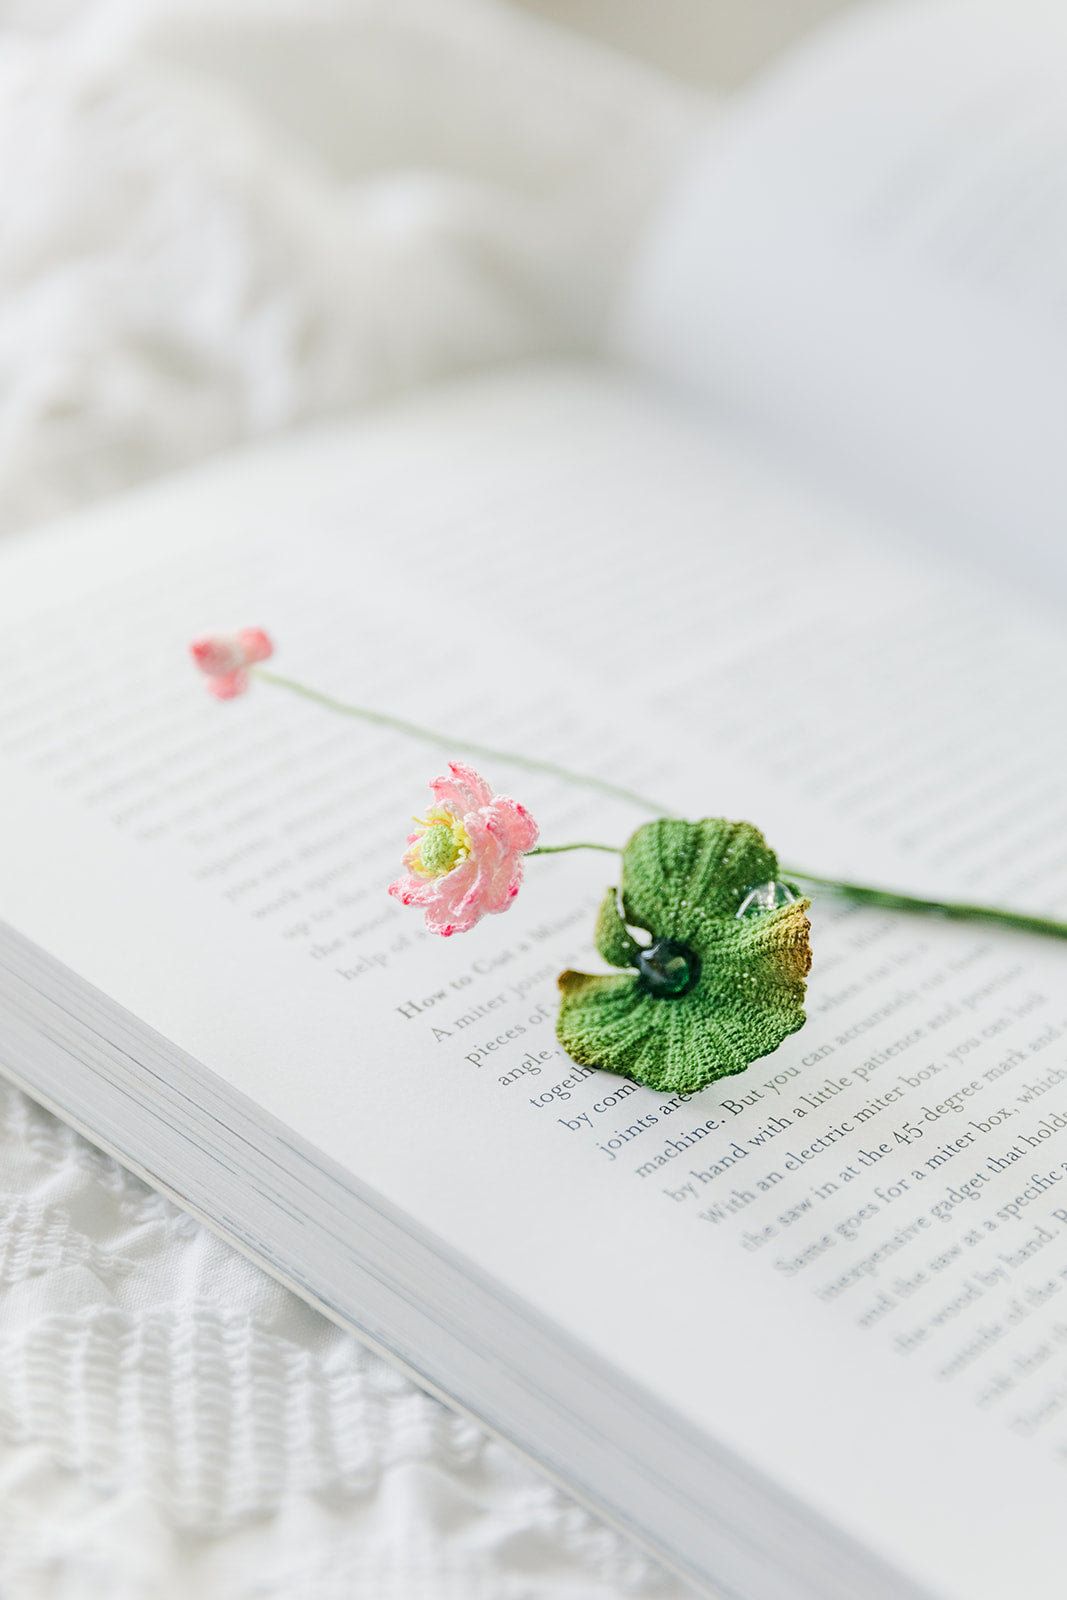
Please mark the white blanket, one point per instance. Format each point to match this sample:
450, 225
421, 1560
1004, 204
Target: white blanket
219, 217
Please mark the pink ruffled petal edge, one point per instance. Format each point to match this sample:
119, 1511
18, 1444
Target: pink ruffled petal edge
462, 790
519, 829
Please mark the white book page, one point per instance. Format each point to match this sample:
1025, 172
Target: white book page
848, 1262
867, 260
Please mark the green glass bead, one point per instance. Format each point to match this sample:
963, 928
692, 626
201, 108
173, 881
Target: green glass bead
668, 968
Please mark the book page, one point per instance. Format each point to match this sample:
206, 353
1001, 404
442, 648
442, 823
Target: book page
848, 1263
866, 262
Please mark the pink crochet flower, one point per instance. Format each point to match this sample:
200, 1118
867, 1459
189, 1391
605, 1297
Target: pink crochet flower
465, 859
226, 657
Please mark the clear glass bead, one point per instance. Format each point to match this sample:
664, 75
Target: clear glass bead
766, 897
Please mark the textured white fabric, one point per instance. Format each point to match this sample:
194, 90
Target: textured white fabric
174, 1422
216, 219
222, 216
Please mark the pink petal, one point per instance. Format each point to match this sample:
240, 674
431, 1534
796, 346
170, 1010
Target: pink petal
456, 908
228, 685
217, 654
488, 849
458, 889
256, 645
462, 791
413, 891
519, 829
501, 883
497, 868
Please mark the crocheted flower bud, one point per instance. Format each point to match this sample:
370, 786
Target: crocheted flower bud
224, 658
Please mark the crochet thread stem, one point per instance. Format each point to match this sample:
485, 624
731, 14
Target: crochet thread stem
382, 719
958, 910
554, 849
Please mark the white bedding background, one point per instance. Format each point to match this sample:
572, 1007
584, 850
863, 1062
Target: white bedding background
218, 218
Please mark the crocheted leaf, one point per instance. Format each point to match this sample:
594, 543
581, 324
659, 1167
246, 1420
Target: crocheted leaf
615, 943
669, 867
684, 881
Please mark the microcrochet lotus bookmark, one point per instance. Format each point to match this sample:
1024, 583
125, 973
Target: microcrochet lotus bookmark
719, 980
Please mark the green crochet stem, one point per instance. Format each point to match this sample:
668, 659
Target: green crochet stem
961, 911
554, 849
864, 894
382, 719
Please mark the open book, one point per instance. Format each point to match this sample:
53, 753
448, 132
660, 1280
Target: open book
804, 1333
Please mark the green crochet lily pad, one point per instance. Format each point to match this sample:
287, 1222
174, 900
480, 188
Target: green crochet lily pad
717, 991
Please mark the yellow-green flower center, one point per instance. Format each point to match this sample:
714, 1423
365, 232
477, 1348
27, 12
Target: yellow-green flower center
444, 843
